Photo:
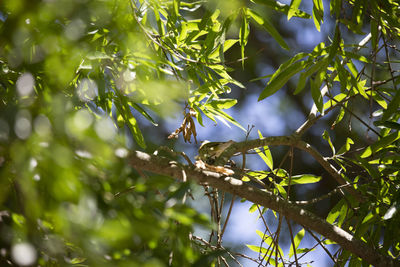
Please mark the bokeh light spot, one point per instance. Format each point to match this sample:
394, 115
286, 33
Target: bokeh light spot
25, 84
82, 120
121, 152
129, 76
75, 29
23, 254
87, 90
42, 125
23, 127
105, 129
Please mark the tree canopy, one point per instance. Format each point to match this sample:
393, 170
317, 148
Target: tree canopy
90, 175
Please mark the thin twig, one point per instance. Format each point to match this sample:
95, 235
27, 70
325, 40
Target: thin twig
292, 241
322, 245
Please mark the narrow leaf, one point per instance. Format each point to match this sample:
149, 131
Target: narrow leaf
392, 107
223, 103
243, 33
137, 134
296, 242
301, 179
294, 8
266, 155
318, 13
319, 65
280, 7
281, 78
381, 143
326, 136
268, 27
346, 146
316, 93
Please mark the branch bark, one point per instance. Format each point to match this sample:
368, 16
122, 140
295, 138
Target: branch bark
294, 141
160, 165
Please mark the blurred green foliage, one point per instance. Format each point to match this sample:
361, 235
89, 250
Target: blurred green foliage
71, 74
77, 77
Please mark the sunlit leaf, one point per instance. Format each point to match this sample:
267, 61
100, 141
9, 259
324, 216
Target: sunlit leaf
346, 147
315, 91
244, 33
268, 27
380, 144
301, 179
318, 13
280, 78
280, 7
296, 242
266, 154
294, 8
322, 63
223, 103
326, 136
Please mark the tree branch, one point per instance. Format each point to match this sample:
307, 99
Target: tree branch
295, 142
164, 166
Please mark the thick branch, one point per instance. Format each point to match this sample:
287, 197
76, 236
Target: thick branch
295, 142
164, 166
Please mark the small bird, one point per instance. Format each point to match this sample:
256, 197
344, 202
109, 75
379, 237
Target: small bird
210, 151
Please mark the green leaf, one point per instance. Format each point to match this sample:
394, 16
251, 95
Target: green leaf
319, 65
18, 219
333, 102
268, 27
370, 169
343, 75
137, 134
296, 242
380, 144
318, 13
346, 146
374, 33
382, 102
392, 107
387, 124
125, 114
253, 208
335, 43
143, 112
244, 33
335, 7
315, 91
262, 77
366, 223
294, 8
339, 118
266, 155
326, 136
281, 190
352, 68
280, 7
222, 116
280, 78
338, 213
222, 103
301, 179
357, 57
258, 249
177, 4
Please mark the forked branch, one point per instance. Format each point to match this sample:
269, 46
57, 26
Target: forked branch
160, 165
